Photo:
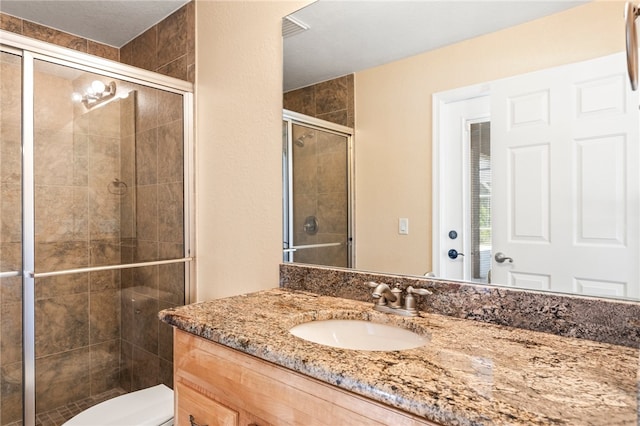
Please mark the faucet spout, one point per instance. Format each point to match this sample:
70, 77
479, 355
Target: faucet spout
383, 290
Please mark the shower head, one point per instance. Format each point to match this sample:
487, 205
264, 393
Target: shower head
300, 140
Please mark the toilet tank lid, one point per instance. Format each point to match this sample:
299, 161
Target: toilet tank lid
147, 407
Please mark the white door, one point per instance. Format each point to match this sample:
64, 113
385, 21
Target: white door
454, 227
564, 148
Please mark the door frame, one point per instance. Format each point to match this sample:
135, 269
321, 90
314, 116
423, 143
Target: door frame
440, 136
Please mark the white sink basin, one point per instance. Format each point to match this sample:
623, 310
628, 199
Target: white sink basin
358, 335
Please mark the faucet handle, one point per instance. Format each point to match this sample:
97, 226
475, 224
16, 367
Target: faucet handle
420, 291
410, 300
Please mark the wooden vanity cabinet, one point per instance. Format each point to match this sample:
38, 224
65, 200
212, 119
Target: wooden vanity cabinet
216, 385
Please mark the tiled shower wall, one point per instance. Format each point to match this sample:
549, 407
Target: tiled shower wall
168, 47
157, 170
330, 100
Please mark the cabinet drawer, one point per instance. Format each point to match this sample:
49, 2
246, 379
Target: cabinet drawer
195, 409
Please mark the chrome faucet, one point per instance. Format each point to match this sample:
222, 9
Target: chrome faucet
390, 300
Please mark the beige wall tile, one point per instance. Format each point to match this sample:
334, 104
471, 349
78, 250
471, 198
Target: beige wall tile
50, 35
104, 280
62, 255
147, 213
10, 223
48, 287
126, 53
11, 403
332, 100
171, 284
170, 212
170, 151
147, 157
70, 330
126, 363
145, 325
10, 23
143, 50
145, 281
172, 37
104, 316
105, 366
103, 50
146, 369
11, 329
62, 378
177, 68
147, 109
105, 252
301, 100
169, 107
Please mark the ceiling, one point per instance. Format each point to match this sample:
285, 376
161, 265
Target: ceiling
343, 36
349, 36
112, 22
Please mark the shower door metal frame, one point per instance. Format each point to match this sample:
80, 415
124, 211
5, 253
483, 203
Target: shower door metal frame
291, 118
31, 50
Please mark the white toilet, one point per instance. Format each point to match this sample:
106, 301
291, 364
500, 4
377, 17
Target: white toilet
147, 407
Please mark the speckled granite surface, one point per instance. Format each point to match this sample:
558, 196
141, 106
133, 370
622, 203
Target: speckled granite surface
470, 373
602, 320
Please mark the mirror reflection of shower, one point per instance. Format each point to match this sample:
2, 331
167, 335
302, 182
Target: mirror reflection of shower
317, 189
300, 140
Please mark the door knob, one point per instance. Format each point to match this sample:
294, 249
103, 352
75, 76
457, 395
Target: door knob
500, 258
453, 254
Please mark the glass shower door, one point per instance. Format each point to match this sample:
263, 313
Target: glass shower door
10, 238
109, 240
318, 194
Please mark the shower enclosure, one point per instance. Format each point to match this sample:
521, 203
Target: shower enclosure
95, 235
317, 188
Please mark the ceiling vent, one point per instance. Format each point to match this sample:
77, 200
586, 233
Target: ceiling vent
292, 26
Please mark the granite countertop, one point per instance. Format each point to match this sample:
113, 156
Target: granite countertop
470, 373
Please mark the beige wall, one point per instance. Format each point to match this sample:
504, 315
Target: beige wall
393, 121
238, 153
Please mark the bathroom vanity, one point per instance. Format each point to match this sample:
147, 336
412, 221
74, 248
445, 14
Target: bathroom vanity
236, 360
217, 385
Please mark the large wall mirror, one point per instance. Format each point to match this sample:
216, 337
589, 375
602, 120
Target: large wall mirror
512, 124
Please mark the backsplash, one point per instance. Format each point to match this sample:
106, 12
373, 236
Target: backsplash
602, 320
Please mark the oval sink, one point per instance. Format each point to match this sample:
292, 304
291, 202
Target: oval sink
358, 335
